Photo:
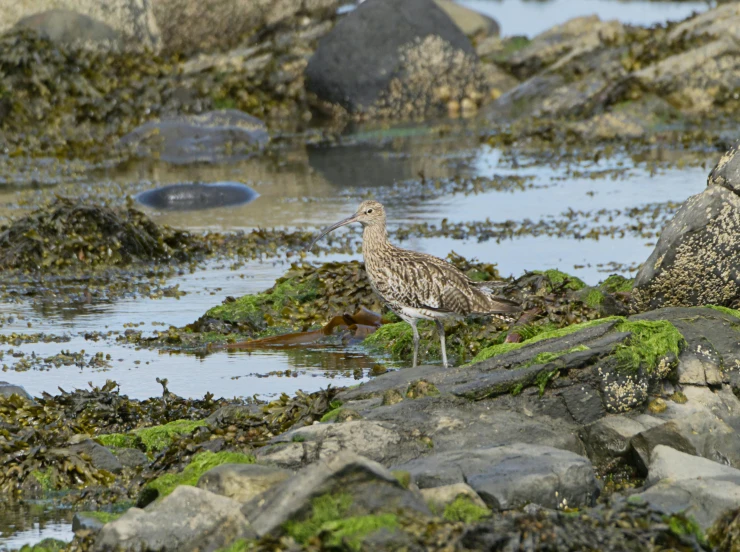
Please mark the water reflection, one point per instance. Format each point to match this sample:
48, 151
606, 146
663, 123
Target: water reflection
29, 522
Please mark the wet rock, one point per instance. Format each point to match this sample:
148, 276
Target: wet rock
197, 196
474, 24
525, 99
726, 172
190, 27
610, 437
226, 134
233, 414
378, 441
700, 239
86, 524
242, 482
8, 389
695, 486
188, 519
100, 457
71, 28
439, 497
610, 126
723, 20
562, 42
699, 434
89, 20
131, 458
406, 48
511, 476
372, 489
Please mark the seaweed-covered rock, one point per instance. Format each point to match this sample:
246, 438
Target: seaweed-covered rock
414, 59
700, 239
188, 519
88, 19
698, 487
71, 234
100, 457
347, 485
208, 137
512, 476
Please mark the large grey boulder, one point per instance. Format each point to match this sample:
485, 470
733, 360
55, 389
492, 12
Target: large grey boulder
412, 57
697, 258
130, 21
189, 519
512, 476
610, 437
214, 136
242, 482
100, 457
367, 486
695, 486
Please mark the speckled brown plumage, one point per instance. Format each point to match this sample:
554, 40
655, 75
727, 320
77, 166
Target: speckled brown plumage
418, 286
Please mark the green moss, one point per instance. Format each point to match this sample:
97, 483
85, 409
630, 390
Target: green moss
44, 479
119, 440
545, 377
251, 308
46, 545
395, 338
495, 350
158, 437
558, 277
685, 526
616, 284
726, 310
298, 438
103, 517
594, 298
403, 477
465, 510
544, 358
329, 521
331, 415
242, 545
199, 465
650, 341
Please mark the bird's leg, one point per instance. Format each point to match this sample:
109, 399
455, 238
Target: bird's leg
441, 332
412, 323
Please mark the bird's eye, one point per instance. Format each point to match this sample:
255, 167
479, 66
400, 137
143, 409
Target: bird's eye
369, 211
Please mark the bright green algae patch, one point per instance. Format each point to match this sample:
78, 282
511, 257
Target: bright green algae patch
558, 277
329, 517
495, 350
726, 310
199, 465
650, 341
102, 517
154, 438
616, 284
465, 510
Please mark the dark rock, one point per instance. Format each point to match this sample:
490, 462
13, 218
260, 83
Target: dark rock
211, 137
197, 196
373, 37
87, 524
233, 414
511, 476
8, 389
584, 403
131, 458
373, 489
189, 519
700, 239
242, 482
698, 487
726, 172
100, 457
68, 27
610, 437
700, 434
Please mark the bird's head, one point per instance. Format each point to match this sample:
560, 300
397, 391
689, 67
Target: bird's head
370, 213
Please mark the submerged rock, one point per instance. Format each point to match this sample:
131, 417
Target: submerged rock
197, 196
414, 59
188, 519
226, 134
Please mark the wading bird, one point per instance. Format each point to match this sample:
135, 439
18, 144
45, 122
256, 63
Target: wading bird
417, 286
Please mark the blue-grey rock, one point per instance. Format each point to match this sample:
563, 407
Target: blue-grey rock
197, 196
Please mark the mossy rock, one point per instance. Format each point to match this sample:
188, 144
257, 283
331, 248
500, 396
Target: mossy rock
151, 439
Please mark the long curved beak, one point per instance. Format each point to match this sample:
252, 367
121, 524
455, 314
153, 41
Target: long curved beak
325, 231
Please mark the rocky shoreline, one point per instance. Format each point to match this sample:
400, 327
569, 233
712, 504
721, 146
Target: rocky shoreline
606, 418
